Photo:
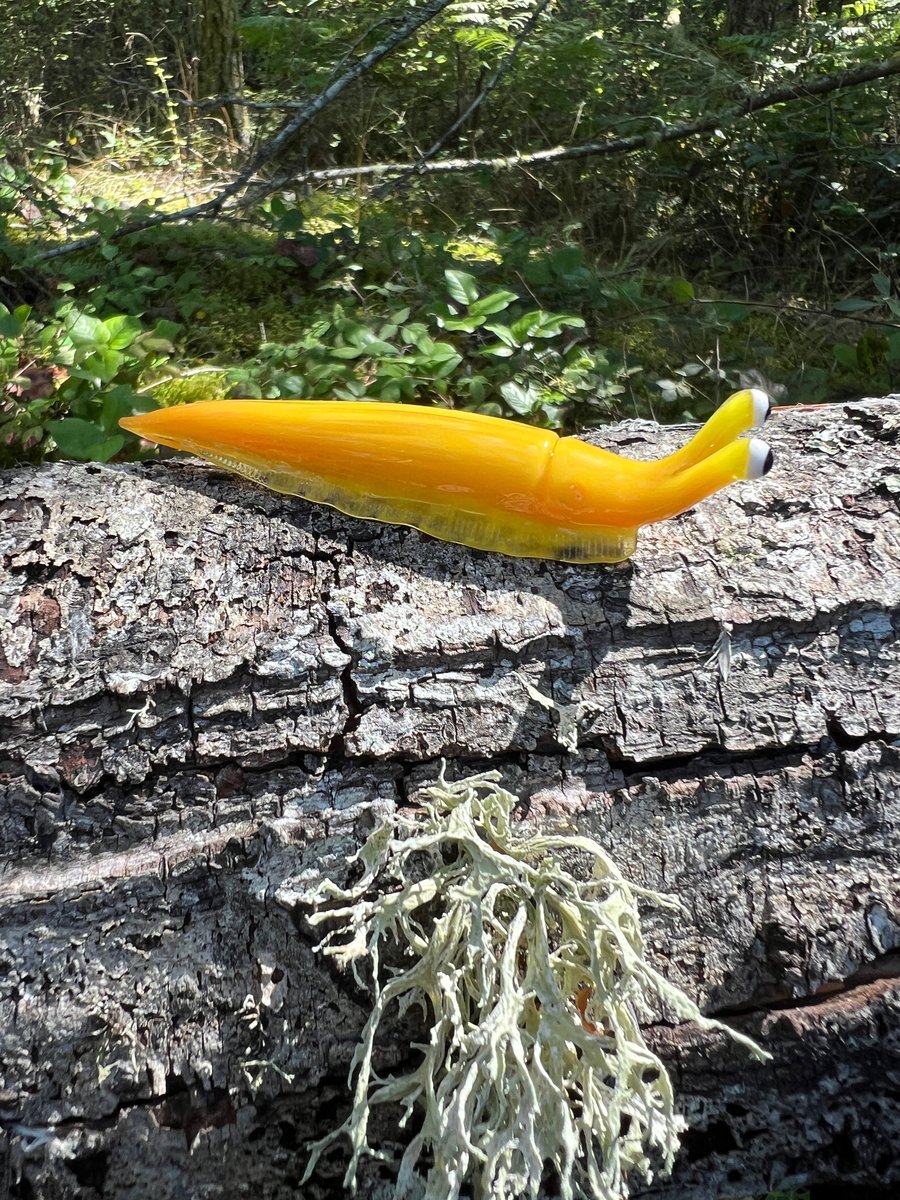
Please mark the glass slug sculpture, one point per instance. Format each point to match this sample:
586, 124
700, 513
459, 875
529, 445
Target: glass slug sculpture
476, 480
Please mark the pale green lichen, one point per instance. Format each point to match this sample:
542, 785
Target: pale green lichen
534, 982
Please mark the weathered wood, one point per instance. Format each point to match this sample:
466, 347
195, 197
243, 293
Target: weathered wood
207, 688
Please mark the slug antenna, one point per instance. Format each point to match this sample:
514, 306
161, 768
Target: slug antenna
741, 412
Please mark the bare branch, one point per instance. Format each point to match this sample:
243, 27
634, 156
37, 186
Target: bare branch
274, 145
749, 103
804, 311
213, 102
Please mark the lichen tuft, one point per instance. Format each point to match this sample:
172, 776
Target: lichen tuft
535, 982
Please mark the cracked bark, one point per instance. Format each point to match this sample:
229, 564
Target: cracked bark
208, 690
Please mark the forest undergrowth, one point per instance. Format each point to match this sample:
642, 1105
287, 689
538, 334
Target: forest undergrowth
648, 284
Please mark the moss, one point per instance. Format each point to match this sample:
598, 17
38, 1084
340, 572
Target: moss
171, 187
534, 980
474, 250
188, 388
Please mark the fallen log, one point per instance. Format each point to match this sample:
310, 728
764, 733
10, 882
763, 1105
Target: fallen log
207, 691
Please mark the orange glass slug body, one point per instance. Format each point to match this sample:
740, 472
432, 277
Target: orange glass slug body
477, 480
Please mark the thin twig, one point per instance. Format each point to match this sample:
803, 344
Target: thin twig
216, 101
803, 311
503, 66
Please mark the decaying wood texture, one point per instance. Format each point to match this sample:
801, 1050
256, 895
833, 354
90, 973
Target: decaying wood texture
208, 690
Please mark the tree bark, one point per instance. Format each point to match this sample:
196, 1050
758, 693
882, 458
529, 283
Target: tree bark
219, 65
764, 16
208, 690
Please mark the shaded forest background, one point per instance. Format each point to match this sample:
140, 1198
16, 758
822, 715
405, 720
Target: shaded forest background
557, 211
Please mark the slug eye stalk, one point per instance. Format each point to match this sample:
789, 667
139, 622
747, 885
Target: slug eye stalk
741, 412
476, 480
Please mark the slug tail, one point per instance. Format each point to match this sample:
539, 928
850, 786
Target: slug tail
159, 427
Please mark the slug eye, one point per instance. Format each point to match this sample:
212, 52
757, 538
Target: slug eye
762, 407
759, 459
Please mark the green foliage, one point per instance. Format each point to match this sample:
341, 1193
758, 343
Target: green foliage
68, 379
193, 385
648, 284
471, 348
64, 62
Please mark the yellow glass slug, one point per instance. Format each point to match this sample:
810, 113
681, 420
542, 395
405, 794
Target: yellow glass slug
480, 481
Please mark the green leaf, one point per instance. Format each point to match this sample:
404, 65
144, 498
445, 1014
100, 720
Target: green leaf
85, 330
101, 364
671, 389
373, 344
147, 343
474, 388
389, 391
122, 331
168, 331
504, 333
84, 440
854, 305
729, 314
493, 303
543, 325
11, 327
681, 290
567, 260
462, 324
440, 368
410, 334
443, 352
846, 356
462, 287
882, 284
122, 401
291, 221
522, 400
691, 369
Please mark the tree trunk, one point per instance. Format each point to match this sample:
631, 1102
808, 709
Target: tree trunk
207, 689
219, 68
764, 16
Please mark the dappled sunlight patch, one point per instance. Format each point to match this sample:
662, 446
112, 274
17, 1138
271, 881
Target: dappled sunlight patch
169, 188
